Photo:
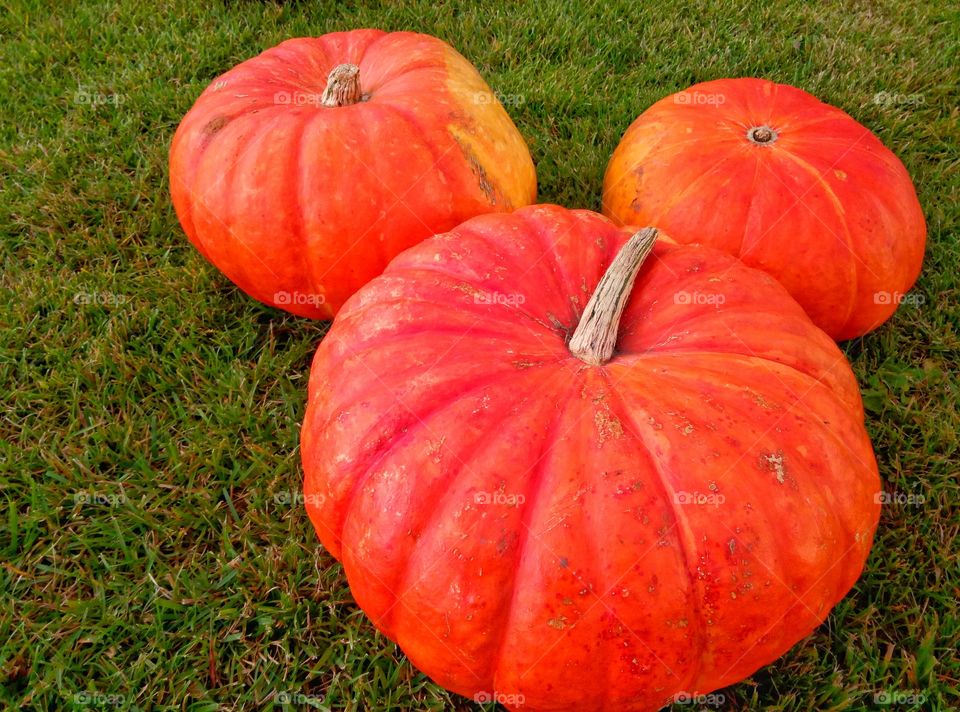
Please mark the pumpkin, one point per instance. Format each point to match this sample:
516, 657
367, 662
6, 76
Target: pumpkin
791, 185
563, 501
301, 172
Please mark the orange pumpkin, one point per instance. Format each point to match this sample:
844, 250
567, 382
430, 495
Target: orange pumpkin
558, 506
301, 172
791, 185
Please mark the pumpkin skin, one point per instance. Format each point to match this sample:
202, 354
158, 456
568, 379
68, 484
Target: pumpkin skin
824, 206
300, 204
577, 537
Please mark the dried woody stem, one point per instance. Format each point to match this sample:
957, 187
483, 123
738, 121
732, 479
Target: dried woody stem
343, 86
596, 334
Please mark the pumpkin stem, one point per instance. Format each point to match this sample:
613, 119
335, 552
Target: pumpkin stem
596, 334
762, 134
343, 86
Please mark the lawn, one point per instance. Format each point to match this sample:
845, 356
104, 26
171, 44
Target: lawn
154, 551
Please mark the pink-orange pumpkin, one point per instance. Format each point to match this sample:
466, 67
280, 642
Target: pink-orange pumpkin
301, 172
791, 185
565, 536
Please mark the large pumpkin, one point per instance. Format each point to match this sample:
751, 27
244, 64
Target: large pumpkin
560, 531
301, 172
789, 184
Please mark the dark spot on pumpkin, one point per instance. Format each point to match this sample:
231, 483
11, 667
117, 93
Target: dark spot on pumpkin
493, 194
559, 623
638, 172
635, 205
525, 364
563, 562
215, 125
775, 463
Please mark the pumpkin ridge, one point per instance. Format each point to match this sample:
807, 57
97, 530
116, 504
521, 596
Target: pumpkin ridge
530, 220
186, 177
533, 491
802, 412
419, 129
676, 144
753, 201
390, 40
312, 258
398, 337
775, 93
633, 328
774, 566
833, 113
767, 365
299, 211
417, 420
332, 46
504, 316
681, 526
436, 512
702, 317
837, 205
223, 188
690, 187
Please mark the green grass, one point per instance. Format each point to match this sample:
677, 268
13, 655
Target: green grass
171, 403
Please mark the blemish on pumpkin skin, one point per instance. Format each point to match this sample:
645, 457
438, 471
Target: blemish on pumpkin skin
526, 364
215, 125
840, 174
684, 426
760, 401
630, 488
608, 426
775, 463
493, 194
559, 623
467, 289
